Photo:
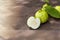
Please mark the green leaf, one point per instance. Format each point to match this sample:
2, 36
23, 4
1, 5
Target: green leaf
51, 11
46, 1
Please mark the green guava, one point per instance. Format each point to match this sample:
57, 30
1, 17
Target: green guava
57, 8
42, 15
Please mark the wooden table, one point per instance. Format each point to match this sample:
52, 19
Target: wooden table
47, 31
28, 8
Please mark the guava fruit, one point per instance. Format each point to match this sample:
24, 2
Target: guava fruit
42, 15
57, 8
33, 22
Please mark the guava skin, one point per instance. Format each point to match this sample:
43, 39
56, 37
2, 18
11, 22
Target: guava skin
42, 15
57, 8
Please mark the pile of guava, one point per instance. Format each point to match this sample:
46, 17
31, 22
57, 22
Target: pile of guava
42, 15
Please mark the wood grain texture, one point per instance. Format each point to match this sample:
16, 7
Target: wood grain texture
13, 17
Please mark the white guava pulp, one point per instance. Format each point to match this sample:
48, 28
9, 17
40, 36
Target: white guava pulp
33, 22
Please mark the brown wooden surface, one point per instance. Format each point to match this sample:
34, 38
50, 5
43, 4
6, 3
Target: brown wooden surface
47, 31
29, 7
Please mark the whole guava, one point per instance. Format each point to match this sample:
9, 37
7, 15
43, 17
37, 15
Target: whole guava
42, 15
57, 8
